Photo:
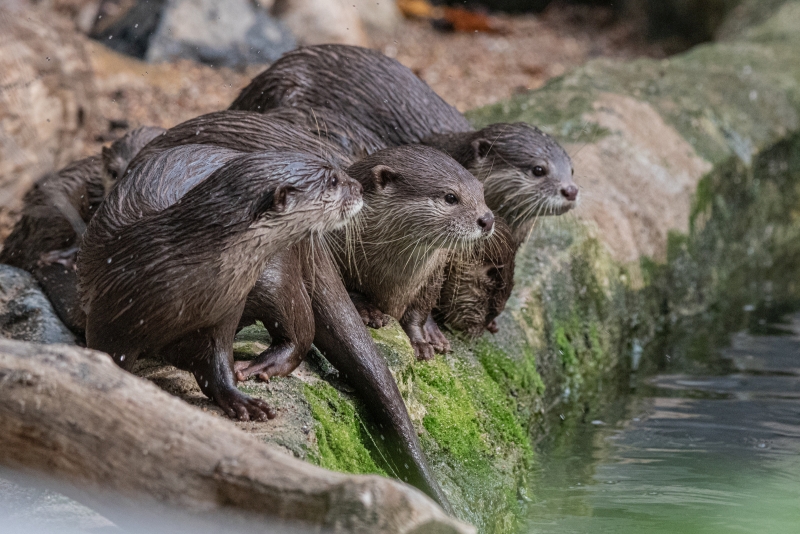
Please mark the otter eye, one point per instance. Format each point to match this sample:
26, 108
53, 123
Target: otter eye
334, 181
450, 198
113, 174
538, 170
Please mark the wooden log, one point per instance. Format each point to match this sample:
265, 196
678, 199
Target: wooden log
120, 444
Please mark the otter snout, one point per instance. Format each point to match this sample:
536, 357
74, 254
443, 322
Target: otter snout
486, 222
569, 192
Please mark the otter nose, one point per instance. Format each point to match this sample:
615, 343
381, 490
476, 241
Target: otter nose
570, 192
486, 222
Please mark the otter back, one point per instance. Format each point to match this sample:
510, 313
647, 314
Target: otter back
365, 86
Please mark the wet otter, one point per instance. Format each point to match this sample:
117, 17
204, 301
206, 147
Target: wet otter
166, 264
45, 240
525, 172
304, 279
420, 205
476, 287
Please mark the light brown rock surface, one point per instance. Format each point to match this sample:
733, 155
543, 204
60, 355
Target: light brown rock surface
46, 98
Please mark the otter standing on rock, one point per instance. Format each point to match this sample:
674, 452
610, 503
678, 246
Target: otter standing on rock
300, 296
525, 172
46, 238
419, 206
167, 262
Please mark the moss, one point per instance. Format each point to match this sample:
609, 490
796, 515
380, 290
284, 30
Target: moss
340, 431
513, 376
475, 432
451, 418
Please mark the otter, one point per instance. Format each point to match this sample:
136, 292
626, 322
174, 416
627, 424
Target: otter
419, 206
476, 287
304, 279
525, 172
45, 239
167, 262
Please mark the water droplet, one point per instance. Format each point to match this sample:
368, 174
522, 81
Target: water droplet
122, 358
109, 260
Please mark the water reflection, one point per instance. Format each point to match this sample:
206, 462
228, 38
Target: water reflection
704, 454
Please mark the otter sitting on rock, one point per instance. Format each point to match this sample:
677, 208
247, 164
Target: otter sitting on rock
525, 172
166, 264
55, 212
299, 296
419, 207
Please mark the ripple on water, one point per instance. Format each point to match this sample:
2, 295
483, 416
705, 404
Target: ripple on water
694, 454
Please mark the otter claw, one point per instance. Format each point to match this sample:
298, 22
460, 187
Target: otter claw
492, 326
436, 338
239, 406
372, 316
423, 350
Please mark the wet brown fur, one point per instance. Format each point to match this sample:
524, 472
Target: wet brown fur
55, 212
402, 240
168, 261
299, 295
379, 95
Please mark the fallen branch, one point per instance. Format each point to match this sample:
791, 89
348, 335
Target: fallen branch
119, 444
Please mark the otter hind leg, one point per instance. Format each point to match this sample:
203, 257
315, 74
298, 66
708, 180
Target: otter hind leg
208, 355
280, 301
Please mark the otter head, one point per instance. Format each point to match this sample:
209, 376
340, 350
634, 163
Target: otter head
420, 195
525, 172
117, 156
302, 192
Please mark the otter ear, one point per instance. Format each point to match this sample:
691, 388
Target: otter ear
275, 201
282, 198
383, 176
481, 148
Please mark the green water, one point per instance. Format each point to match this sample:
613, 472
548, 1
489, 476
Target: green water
715, 452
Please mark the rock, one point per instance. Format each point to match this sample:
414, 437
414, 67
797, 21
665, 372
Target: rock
46, 98
378, 15
127, 27
231, 34
25, 313
695, 21
322, 21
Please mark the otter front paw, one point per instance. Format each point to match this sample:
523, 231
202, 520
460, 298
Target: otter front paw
435, 337
237, 405
278, 360
65, 257
423, 350
371, 315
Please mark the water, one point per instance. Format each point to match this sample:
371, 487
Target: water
686, 454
